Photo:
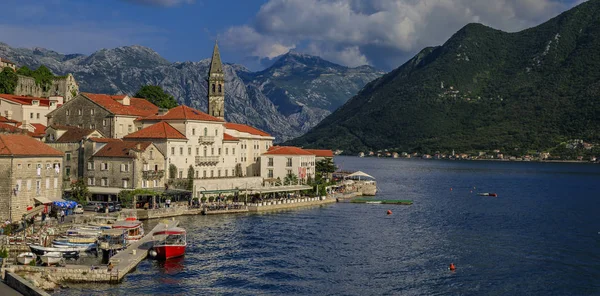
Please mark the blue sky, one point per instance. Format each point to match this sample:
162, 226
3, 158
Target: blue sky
382, 33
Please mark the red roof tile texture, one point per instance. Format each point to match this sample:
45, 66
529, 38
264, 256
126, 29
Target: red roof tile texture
246, 129
228, 137
103, 140
320, 152
137, 107
73, 134
22, 145
161, 130
286, 150
183, 113
121, 148
6, 120
8, 128
25, 100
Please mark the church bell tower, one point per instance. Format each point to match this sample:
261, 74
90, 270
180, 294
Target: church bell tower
216, 86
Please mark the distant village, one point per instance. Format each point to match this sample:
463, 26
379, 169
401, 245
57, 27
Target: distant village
52, 138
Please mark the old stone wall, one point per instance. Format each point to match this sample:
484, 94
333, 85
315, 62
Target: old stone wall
5, 184
71, 160
150, 166
83, 113
61, 86
113, 174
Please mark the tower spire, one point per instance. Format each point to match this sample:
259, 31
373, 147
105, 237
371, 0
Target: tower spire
216, 85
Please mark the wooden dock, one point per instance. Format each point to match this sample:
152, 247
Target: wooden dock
128, 259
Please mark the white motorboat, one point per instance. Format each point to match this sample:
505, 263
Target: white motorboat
26, 258
67, 252
51, 258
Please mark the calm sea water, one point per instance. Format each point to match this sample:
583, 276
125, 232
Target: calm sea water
540, 236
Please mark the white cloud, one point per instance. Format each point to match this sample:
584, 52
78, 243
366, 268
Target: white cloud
165, 3
359, 31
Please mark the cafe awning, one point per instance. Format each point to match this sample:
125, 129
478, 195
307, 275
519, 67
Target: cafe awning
42, 199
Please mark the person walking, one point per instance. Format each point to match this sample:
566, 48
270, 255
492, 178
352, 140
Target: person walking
62, 215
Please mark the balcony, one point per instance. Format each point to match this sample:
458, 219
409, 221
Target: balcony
207, 160
153, 175
206, 140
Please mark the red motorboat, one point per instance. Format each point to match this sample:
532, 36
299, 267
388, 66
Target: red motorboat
171, 244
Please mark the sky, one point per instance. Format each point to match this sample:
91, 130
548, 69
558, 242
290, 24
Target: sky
380, 33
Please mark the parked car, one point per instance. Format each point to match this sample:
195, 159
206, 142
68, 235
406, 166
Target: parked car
105, 205
118, 206
78, 209
92, 206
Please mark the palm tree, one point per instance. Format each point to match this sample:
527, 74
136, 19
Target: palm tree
290, 179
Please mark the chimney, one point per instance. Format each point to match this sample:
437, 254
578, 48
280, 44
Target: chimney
162, 111
138, 146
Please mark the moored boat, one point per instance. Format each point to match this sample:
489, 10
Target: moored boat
66, 252
85, 247
51, 258
172, 243
135, 229
26, 258
110, 242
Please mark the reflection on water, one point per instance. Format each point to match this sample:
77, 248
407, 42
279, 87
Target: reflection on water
538, 237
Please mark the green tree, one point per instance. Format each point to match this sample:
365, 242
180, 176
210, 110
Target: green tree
172, 171
190, 179
157, 96
25, 71
290, 179
8, 81
325, 167
79, 191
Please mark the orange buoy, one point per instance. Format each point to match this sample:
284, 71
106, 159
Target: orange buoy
452, 267
450, 188
389, 212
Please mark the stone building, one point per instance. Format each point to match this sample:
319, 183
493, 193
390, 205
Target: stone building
112, 115
63, 86
73, 143
216, 86
252, 144
30, 175
28, 110
281, 161
121, 165
6, 63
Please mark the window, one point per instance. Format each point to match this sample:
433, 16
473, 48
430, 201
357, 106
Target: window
197, 150
219, 151
19, 166
219, 88
104, 182
155, 183
189, 150
55, 183
270, 174
18, 185
288, 162
213, 87
31, 115
129, 128
91, 181
38, 187
155, 167
125, 183
103, 122
144, 184
212, 173
79, 112
151, 153
204, 150
289, 172
91, 111
91, 165
226, 151
145, 167
197, 174
226, 173
181, 150
212, 151
104, 166
125, 167
68, 112
67, 171
193, 132
219, 173
204, 174
37, 116
216, 132
270, 162
233, 151
180, 174
172, 150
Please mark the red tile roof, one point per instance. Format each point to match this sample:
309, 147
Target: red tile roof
22, 145
161, 130
73, 134
137, 107
120, 148
320, 152
246, 129
6, 120
22, 100
40, 130
228, 137
8, 128
286, 150
183, 113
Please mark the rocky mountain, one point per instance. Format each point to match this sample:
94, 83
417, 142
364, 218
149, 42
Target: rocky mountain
482, 89
286, 100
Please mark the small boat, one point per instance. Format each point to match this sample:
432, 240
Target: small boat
104, 222
84, 232
26, 258
111, 241
66, 252
171, 244
135, 229
487, 194
85, 247
51, 258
